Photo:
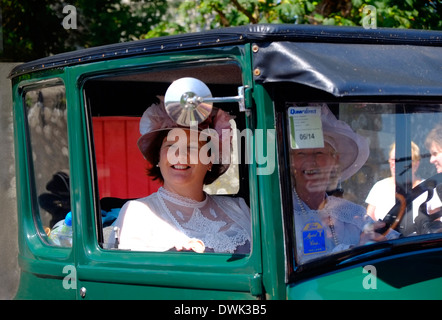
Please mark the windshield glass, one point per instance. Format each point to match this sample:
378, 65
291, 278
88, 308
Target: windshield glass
360, 173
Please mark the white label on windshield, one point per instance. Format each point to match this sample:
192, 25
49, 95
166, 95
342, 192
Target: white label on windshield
305, 127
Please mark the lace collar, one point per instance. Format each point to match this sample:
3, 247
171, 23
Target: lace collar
180, 200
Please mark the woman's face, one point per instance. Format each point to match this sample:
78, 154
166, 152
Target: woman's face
313, 168
436, 156
180, 162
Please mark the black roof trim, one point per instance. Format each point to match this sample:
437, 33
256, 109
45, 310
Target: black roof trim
232, 36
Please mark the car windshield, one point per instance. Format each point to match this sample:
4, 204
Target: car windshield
353, 165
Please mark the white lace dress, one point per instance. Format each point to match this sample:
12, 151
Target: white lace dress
164, 220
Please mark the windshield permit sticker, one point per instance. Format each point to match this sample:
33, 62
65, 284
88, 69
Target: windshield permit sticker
305, 127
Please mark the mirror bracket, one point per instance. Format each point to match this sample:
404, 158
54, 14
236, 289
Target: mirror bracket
239, 98
189, 99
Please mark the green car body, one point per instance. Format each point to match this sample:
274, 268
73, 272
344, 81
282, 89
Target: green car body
88, 271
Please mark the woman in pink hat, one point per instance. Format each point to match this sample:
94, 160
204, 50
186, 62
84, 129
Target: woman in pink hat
327, 224
180, 215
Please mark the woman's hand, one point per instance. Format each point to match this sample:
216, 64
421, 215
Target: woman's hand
193, 244
369, 235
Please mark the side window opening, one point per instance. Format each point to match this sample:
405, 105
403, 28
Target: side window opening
120, 166
49, 156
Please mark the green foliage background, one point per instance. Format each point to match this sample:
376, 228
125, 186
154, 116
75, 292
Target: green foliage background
33, 28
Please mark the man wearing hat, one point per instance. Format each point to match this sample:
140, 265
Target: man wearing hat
327, 224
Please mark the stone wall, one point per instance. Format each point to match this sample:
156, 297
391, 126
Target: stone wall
9, 271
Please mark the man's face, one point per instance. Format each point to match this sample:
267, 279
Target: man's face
312, 168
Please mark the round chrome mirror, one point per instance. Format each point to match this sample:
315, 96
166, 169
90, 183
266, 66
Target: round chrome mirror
184, 101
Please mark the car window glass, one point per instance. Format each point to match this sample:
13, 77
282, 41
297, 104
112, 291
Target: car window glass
120, 165
49, 154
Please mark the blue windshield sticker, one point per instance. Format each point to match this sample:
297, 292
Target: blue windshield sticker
313, 238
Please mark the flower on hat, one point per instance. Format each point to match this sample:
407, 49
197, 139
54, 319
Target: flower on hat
155, 118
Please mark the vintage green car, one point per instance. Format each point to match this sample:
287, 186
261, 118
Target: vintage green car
76, 118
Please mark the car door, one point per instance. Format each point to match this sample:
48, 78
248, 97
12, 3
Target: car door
112, 97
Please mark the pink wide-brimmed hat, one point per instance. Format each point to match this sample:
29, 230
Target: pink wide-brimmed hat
156, 120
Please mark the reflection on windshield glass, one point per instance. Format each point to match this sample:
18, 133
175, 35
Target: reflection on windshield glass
353, 170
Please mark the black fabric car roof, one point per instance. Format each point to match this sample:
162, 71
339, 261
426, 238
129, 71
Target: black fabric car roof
338, 60
353, 69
